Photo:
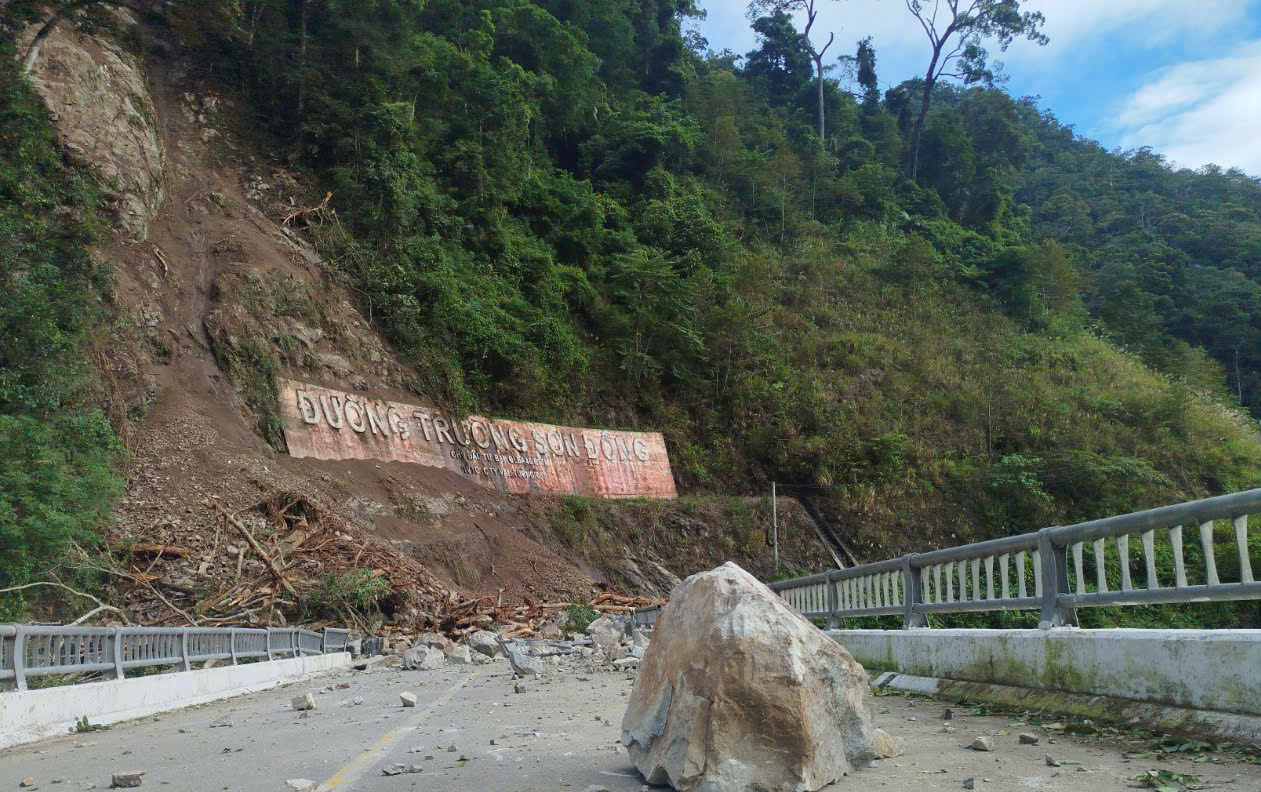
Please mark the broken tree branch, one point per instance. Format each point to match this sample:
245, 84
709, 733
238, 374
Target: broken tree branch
280, 576
100, 605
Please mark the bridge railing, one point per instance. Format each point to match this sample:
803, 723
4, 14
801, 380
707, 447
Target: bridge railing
29, 650
1046, 570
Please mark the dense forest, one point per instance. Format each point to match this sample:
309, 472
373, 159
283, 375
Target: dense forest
575, 210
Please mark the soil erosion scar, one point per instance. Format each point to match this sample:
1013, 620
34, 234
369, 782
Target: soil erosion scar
511, 456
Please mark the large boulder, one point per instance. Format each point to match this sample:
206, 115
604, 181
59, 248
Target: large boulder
737, 691
434, 641
485, 642
607, 634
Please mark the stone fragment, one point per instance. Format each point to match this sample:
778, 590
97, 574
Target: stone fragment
1028, 739
637, 652
626, 662
607, 634
434, 660
434, 641
525, 665
27, 782
300, 784
460, 656
357, 700
484, 642
699, 719
518, 688
1051, 761
596, 788
408, 699
394, 769
413, 657
304, 702
948, 714
969, 783
130, 778
982, 743
886, 745
223, 723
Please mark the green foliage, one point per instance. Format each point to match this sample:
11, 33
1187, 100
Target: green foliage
358, 591
57, 451
578, 616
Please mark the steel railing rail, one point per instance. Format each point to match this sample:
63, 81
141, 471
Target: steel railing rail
1035, 570
33, 650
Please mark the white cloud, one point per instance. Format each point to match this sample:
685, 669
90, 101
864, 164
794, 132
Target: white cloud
1200, 111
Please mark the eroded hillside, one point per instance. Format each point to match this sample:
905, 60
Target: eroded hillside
390, 209
216, 296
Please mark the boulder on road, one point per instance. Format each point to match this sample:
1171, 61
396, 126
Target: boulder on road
887, 746
434, 641
433, 660
460, 656
124, 780
524, 665
412, 658
304, 702
607, 634
484, 642
737, 691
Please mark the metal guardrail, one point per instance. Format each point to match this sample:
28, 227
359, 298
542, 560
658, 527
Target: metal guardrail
27, 650
950, 580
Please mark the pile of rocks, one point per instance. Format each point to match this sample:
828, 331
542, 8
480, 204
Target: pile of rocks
432, 651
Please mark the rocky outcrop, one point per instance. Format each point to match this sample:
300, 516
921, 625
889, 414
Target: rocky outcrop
104, 117
737, 691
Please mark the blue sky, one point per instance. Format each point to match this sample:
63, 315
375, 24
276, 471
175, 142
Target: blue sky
1181, 76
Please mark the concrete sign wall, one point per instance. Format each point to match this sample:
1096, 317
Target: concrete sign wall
511, 456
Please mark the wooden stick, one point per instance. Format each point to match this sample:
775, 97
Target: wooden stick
102, 605
280, 577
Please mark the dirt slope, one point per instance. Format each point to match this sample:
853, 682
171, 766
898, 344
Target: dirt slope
219, 299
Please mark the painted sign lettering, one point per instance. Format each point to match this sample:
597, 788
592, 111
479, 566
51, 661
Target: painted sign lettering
511, 456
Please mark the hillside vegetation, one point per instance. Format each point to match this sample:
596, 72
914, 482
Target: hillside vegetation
572, 211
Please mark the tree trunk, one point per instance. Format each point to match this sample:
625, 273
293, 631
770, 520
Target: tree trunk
923, 113
818, 63
302, 62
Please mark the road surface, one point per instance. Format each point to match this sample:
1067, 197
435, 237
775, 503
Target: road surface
470, 732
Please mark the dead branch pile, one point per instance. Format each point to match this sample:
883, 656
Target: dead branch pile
271, 565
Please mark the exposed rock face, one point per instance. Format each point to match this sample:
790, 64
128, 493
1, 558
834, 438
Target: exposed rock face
738, 692
105, 118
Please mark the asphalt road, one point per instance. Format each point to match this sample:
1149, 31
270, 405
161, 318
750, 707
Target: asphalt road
470, 732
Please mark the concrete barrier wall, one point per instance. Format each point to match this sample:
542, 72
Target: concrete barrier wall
1196, 669
31, 715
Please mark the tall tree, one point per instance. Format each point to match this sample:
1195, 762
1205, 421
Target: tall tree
866, 62
760, 8
957, 45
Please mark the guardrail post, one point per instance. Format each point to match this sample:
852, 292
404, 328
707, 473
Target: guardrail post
232, 643
118, 653
834, 622
188, 666
19, 658
912, 594
1054, 583
294, 643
